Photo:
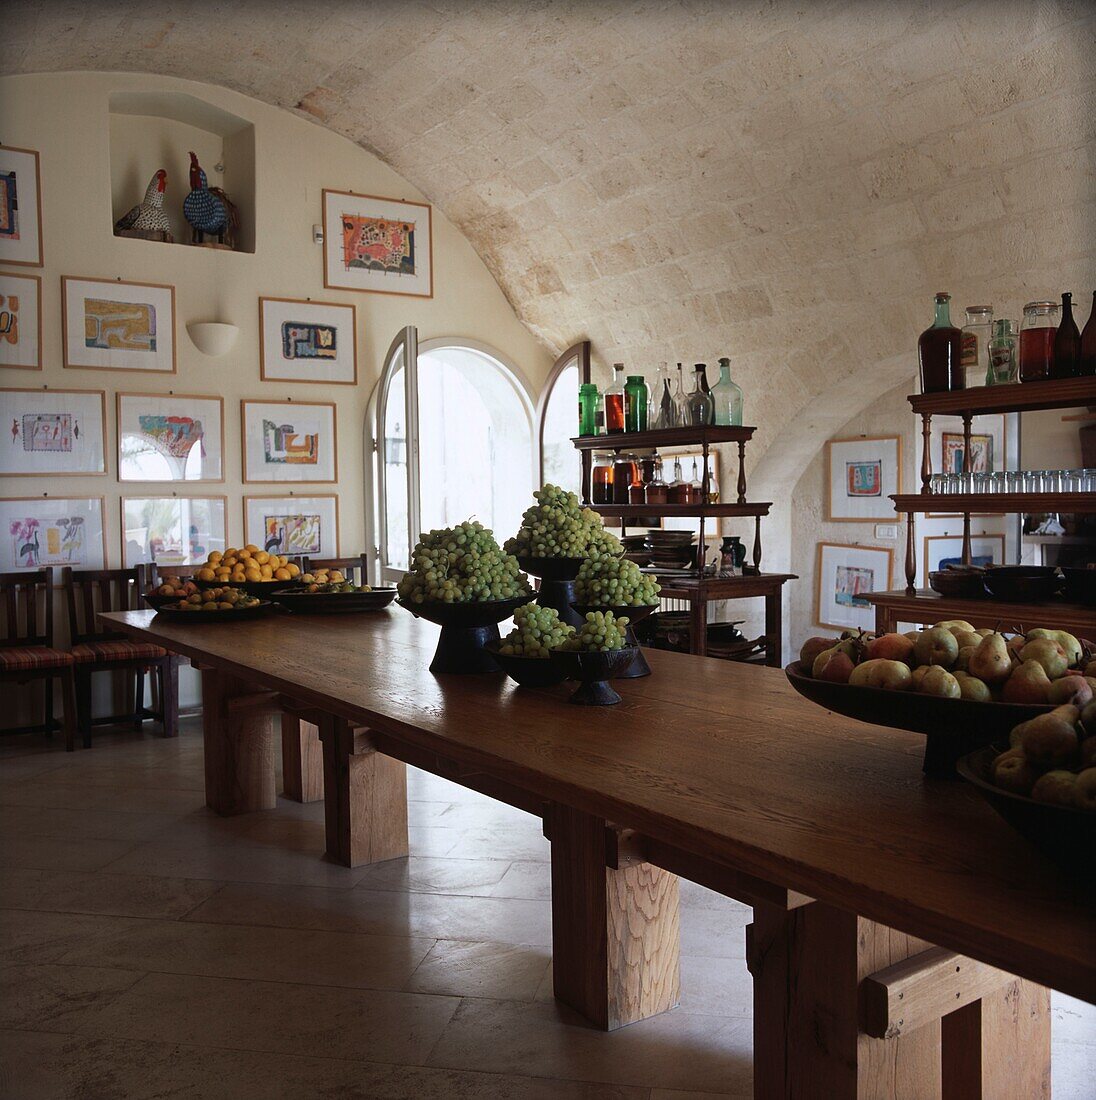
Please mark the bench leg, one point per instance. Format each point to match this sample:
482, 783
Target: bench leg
365, 797
615, 932
302, 760
238, 747
168, 681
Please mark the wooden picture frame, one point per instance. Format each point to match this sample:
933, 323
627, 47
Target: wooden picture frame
930, 564
871, 473
128, 562
329, 377
14, 210
122, 396
46, 503
85, 357
15, 432
860, 613
380, 208
992, 425
9, 321
249, 464
292, 548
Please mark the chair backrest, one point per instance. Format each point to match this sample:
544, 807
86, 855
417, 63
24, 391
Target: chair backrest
354, 569
90, 591
27, 608
149, 574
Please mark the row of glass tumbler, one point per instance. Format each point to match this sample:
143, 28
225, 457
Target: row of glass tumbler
1050, 346
627, 405
1016, 481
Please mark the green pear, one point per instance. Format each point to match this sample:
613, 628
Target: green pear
990, 662
833, 665
889, 675
984, 631
1049, 654
962, 662
936, 646
967, 637
1070, 646
938, 681
1049, 741
1028, 684
1013, 772
970, 687
1015, 644
913, 635
1070, 689
954, 624
1058, 787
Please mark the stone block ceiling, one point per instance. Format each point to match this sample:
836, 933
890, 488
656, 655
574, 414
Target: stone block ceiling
784, 183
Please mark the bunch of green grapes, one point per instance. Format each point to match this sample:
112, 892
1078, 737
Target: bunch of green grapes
614, 582
461, 564
536, 630
557, 526
601, 631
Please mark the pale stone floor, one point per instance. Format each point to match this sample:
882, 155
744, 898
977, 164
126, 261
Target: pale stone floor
152, 949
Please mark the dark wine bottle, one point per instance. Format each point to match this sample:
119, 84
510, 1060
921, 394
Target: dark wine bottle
1067, 343
938, 352
1086, 365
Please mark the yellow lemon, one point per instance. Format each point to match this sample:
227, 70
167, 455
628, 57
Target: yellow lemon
292, 569
206, 575
215, 555
251, 548
266, 572
261, 556
282, 575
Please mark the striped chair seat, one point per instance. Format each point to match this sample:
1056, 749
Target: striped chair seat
94, 652
26, 658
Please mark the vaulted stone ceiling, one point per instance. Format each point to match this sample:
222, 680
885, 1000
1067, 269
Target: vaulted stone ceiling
784, 183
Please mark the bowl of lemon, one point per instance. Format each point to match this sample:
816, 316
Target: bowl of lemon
254, 570
216, 604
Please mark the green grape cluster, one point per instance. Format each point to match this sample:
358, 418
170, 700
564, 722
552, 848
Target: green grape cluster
614, 582
601, 631
557, 526
461, 564
536, 630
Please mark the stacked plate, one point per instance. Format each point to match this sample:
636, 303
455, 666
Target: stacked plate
635, 548
671, 549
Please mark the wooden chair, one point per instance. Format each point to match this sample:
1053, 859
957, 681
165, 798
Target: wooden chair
354, 569
26, 648
89, 592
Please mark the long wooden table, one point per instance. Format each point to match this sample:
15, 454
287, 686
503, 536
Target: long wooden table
709, 769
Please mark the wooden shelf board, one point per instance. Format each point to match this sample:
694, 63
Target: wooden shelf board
1062, 393
665, 437
685, 510
994, 503
932, 603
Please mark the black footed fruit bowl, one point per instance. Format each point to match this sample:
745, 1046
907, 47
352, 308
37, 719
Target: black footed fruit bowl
557, 583
530, 672
594, 668
466, 628
639, 666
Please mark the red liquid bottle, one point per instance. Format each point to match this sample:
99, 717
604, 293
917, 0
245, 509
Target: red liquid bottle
1086, 367
614, 402
1067, 343
1037, 331
939, 352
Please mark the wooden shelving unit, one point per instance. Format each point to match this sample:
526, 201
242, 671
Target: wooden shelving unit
997, 504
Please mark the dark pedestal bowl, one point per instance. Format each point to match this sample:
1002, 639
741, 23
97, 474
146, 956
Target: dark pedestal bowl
557, 583
594, 669
466, 629
639, 666
530, 672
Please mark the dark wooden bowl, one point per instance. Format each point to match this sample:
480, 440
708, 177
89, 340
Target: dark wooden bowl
466, 628
253, 588
1080, 585
1065, 835
594, 669
530, 672
557, 583
551, 569
264, 607
952, 727
332, 603
157, 601
960, 584
1022, 583
639, 666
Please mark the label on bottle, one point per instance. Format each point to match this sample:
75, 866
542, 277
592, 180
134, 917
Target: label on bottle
968, 349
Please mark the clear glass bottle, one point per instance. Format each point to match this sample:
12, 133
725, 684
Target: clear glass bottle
637, 402
614, 402
713, 483
727, 397
587, 409
938, 351
663, 411
679, 487
1003, 368
974, 344
681, 399
699, 404
1067, 343
1037, 331
696, 487
656, 491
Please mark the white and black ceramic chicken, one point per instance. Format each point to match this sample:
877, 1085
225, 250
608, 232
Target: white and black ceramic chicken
149, 213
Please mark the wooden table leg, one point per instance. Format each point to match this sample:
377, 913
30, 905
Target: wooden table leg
302, 760
238, 731
615, 931
698, 627
774, 630
365, 797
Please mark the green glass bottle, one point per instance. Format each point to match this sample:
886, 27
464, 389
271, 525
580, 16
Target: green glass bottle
587, 409
636, 404
727, 397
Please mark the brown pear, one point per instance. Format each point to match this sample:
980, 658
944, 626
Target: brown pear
1049, 741
990, 662
1049, 654
1028, 684
970, 687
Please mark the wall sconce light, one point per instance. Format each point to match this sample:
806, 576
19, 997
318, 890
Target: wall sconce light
212, 337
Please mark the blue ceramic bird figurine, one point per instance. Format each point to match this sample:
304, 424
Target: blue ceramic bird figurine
208, 209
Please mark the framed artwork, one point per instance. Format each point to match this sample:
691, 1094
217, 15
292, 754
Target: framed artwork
843, 576
170, 437
117, 325
53, 432
20, 207
293, 525
862, 474
21, 321
692, 460
171, 530
57, 531
289, 441
306, 341
376, 244
987, 447
940, 551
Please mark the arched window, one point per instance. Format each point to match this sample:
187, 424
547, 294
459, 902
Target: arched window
557, 419
453, 440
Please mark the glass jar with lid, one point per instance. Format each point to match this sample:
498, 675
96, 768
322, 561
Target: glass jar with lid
601, 478
656, 491
974, 344
625, 474
1037, 331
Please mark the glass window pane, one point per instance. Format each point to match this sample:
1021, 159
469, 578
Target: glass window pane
561, 464
394, 455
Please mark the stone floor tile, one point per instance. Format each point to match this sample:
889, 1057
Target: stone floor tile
47, 998
426, 875
464, 969
49, 853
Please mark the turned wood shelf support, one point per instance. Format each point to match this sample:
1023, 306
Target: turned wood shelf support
741, 471
926, 452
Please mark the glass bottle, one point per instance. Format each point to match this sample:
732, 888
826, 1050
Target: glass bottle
974, 343
663, 412
1087, 364
656, 490
601, 479
614, 401
727, 397
625, 473
713, 484
1037, 340
938, 352
700, 404
587, 409
1002, 368
679, 487
1067, 343
696, 487
704, 378
637, 400
681, 399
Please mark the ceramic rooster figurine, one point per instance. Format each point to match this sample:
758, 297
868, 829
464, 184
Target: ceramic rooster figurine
209, 210
148, 215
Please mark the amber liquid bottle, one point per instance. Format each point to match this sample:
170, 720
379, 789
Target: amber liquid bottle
1087, 364
939, 352
1067, 343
